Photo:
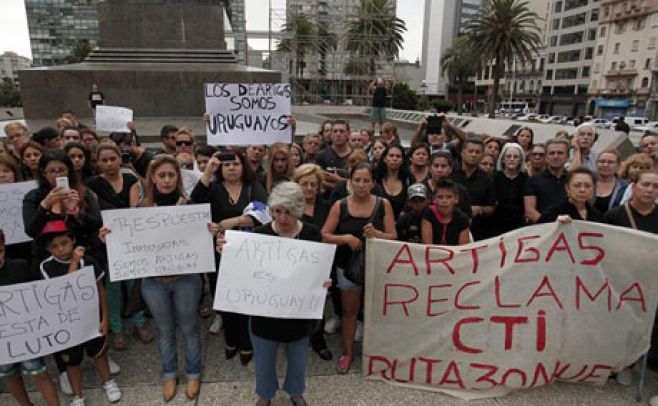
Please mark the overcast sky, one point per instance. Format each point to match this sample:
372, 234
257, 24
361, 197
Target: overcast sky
14, 33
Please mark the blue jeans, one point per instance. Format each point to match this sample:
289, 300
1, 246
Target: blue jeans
265, 359
174, 304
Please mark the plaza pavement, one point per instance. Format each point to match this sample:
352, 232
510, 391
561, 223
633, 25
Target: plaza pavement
229, 383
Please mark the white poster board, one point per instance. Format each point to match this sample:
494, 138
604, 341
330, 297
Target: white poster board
248, 113
42, 317
11, 210
540, 304
270, 276
112, 118
159, 241
190, 179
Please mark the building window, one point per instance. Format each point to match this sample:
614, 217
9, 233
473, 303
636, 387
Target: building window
620, 27
617, 45
569, 73
647, 63
636, 45
549, 74
558, 6
556, 23
597, 67
569, 56
631, 63
572, 38
652, 43
585, 72
613, 66
551, 58
645, 82
602, 34
638, 24
595, 15
589, 52
595, 84
599, 50
554, 41
592, 34
569, 4
574, 20
606, 11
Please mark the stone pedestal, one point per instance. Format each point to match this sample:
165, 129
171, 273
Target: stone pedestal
153, 57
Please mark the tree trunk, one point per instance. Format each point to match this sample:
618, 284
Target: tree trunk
460, 97
496, 85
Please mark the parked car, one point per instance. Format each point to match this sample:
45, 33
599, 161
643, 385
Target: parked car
527, 117
599, 123
554, 120
542, 117
650, 126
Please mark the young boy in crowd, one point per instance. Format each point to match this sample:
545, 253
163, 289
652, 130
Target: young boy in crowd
14, 271
409, 224
443, 224
66, 258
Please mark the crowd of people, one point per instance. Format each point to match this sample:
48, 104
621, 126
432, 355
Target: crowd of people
340, 186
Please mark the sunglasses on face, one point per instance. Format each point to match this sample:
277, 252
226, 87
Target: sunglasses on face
183, 143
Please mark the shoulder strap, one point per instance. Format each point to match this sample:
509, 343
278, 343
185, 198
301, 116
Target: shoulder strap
631, 219
344, 212
378, 203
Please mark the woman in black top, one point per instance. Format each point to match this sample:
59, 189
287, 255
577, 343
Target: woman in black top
117, 190
577, 206
286, 203
30, 154
509, 181
233, 188
419, 166
349, 220
309, 177
393, 177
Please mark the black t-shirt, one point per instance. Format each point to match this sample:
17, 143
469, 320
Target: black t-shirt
320, 213
142, 163
218, 197
328, 158
565, 207
619, 217
379, 97
408, 227
96, 98
348, 224
510, 213
108, 198
285, 330
16, 271
464, 203
481, 193
548, 189
447, 234
398, 202
52, 267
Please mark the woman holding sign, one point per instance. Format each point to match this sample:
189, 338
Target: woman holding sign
173, 300
350, 219
234, 188
286, 205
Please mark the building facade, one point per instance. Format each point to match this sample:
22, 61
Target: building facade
10, 64
624, 58
571, 41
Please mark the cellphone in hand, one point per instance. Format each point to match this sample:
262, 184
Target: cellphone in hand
62, 182
434, 124
226, 156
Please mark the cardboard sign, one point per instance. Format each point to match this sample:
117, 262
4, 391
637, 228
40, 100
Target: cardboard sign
112, 118
190, 179
270, 276
543, 303
11, 210
42, 317
248, 113
159, 241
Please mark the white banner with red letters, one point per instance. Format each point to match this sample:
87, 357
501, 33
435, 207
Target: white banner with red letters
550, 302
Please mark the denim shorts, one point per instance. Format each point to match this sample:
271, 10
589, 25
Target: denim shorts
377, 114
30, 368
343, 283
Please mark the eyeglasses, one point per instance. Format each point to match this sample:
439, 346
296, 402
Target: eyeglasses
56, 171
183, 143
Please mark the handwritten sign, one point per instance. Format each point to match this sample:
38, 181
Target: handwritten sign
248, 113
190, 179
112, 118
42, 317
544, 303
159, 241
11, 210
272, 276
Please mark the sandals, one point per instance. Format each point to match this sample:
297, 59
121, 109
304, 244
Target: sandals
144, 334
118, 341
344, 363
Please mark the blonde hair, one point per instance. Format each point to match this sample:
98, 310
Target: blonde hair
269, 176
306, 170
16, 126
149, 187
635, 159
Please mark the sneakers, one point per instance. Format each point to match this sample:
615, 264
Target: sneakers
624, 377
77, 401
332, 325
65, 385
298, 401
358, 334
112, 391
114, 367
216, 325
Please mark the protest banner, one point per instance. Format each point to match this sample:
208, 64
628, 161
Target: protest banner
263, 275
112, 118
42, 317
248, 113
11, 210
543, 303
159, 241
190, 179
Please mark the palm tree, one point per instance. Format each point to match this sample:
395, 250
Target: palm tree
326, 42
501, 31
459, 62
376, 32
302, 39
79, 51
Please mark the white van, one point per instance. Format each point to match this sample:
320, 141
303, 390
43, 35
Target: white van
632, 121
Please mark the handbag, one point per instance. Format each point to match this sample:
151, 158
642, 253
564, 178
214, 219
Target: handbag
356, 268
135, 302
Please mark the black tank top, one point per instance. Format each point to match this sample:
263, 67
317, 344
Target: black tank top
349, 224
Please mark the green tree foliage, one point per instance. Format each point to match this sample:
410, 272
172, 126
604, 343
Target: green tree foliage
79, 51
10, 95
459, 62
403, 97
501, 31
301, 38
